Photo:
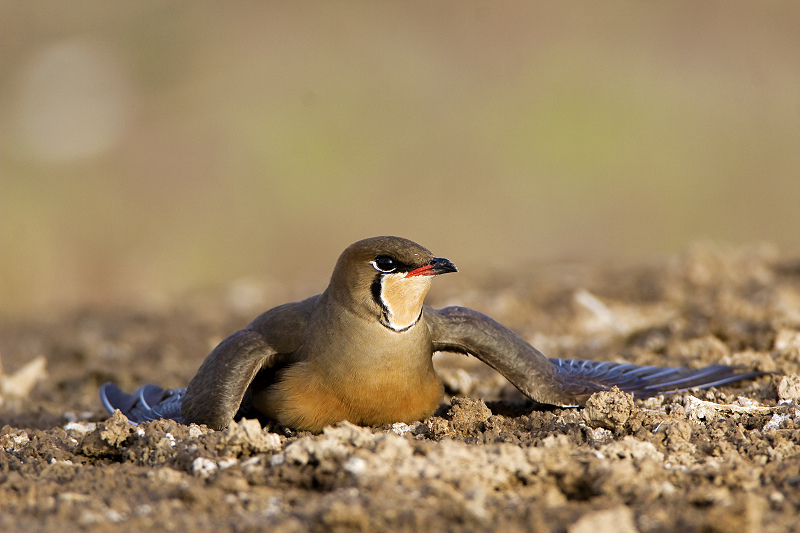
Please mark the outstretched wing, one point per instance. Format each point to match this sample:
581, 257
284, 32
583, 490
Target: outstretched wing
462, 330
216, 391
565, 382
582, 378
148, 402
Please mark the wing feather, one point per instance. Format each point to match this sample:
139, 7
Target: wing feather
564, 382
215, 393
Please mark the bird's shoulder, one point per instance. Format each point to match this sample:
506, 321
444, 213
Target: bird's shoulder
458, 328
284, 327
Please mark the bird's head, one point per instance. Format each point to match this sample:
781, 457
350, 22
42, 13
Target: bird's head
388, 278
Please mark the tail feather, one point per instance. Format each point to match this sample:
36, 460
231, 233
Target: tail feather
146, 403
583, 378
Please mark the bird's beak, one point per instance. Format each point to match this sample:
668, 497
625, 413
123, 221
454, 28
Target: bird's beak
438, 265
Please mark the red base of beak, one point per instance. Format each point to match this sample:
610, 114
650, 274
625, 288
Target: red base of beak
426, 270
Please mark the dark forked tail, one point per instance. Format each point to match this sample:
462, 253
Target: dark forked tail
582, 378
148, 402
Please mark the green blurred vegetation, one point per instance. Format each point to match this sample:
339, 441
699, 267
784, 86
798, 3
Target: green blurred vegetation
150, 147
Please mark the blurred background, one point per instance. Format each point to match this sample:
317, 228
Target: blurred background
147, 148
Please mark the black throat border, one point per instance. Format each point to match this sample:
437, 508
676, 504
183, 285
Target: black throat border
375, 289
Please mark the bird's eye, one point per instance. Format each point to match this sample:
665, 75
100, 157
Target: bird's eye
384, 263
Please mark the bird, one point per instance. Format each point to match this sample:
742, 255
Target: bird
362, 352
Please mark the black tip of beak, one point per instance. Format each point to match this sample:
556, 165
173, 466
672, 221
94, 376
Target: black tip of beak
442, 266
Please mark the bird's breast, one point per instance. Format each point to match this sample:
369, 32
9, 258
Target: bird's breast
365, 381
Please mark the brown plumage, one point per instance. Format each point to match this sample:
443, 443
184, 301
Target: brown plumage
361, 351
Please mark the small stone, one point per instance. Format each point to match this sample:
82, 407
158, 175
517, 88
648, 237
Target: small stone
80, 427
789, 388
246, 437
108, 437
348, 433
203, 468
468, 412
400, 428
608, 409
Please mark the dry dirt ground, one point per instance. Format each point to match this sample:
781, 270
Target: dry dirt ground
723, 460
